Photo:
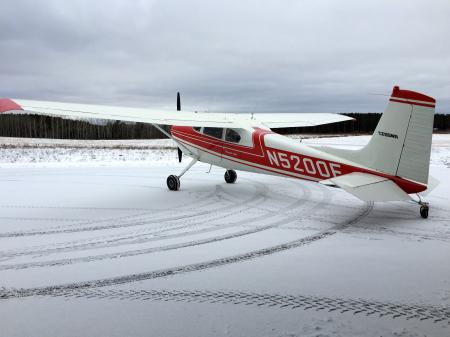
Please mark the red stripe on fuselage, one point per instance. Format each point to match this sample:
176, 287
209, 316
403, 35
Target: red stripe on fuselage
245, 163
286, 163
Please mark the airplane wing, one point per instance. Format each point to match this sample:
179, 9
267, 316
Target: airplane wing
168, 117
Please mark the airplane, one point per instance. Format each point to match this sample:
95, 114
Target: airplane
393, 166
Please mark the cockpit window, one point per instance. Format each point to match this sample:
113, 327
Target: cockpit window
213, 132
232, 136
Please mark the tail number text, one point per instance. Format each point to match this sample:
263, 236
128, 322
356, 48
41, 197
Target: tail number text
303, 165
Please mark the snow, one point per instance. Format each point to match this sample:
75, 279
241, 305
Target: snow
11, 142
15, 152
93, 243
38, 152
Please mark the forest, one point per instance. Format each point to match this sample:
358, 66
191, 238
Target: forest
37, 126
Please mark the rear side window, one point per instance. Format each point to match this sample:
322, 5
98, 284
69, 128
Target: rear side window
213, 132
232, 136
197, 128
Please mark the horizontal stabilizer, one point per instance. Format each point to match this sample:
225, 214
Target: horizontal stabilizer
369, 187
432, 184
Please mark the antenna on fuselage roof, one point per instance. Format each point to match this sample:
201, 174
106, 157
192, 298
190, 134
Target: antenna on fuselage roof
377, 94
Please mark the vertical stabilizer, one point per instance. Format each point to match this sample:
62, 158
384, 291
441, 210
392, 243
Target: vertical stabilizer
401, 143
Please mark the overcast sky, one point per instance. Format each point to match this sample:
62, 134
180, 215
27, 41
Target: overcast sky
281, 55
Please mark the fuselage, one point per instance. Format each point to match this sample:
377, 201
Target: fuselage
263, 151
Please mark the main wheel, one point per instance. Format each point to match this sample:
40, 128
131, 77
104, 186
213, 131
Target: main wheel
230, 176
424, 211
173, 183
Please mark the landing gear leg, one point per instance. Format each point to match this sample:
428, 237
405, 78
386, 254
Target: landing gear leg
173, 181
230, 176
424, 207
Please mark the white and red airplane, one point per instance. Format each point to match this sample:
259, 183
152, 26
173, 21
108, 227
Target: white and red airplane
391, 167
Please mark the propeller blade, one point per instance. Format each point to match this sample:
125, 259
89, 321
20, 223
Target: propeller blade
180, 154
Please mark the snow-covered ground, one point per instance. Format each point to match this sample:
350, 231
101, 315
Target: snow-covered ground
93, 244
14, 152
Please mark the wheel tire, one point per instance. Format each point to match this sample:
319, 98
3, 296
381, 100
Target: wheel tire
424, 211
230, 176
173, 183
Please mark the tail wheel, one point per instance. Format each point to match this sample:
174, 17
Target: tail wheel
424, 211
230, 176
173, 183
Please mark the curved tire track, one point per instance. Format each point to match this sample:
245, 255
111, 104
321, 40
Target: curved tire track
190, 267
276, 223
78, 227
146, 236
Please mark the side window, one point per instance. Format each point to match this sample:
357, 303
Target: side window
213, 132
197, 128
232, 136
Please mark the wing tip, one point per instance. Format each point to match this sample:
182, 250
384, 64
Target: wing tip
7, 104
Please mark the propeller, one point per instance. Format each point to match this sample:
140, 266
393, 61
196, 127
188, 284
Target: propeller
180, 153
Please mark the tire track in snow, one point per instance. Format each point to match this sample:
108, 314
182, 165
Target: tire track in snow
305, 199
207, 197
401, 233
317, 303
207, 201
75, 228
265, 216
143, 236
12, 206
51, 290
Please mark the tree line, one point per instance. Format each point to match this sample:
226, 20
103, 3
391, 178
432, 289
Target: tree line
38, 126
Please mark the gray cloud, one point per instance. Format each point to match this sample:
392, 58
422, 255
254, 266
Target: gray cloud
225, 55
